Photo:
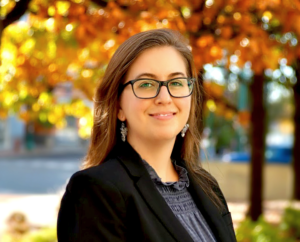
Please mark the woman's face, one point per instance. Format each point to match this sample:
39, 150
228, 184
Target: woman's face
162, 117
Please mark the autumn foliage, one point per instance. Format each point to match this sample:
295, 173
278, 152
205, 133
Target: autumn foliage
61, 43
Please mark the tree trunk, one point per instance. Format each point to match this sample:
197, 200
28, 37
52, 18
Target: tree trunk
258, 146
296, 153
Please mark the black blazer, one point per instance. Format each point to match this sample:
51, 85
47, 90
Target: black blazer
117, 201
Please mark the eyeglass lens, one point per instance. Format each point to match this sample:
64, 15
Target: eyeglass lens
147, 88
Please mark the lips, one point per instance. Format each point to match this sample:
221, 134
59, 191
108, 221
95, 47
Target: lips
163, 115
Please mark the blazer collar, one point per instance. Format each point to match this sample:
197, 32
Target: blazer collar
135, 167
214, 217
218, 220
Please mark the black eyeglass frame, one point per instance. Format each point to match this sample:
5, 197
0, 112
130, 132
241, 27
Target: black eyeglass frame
161, 83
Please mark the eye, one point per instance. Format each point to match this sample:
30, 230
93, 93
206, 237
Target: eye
177, 83
145, 83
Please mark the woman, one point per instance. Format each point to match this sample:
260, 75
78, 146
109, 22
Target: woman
143, 180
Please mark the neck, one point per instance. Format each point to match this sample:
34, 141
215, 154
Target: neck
158, 155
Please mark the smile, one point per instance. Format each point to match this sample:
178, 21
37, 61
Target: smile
163, 116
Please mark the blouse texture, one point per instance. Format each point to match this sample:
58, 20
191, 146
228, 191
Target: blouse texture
182, 204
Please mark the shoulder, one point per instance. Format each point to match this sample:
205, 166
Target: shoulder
108, 175
216, 188
92, 194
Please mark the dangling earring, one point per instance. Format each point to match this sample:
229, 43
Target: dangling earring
185, 128
124, 131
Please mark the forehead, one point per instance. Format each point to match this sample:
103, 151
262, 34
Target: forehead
159, 61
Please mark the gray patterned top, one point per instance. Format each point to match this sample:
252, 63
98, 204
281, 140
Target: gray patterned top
182, 204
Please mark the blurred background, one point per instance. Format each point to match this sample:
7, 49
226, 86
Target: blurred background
53, 54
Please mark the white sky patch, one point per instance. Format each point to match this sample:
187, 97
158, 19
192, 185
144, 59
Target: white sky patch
276, 92
214, 73
276, 73
287, 71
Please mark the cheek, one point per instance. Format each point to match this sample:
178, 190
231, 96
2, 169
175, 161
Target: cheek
184, 105
134, 107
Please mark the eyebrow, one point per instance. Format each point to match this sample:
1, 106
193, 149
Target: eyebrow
150, 75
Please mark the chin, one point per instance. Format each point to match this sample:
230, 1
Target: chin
165, 137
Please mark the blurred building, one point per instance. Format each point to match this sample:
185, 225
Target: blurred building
12, 131
4, 136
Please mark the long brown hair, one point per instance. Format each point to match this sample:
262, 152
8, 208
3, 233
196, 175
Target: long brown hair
106, 104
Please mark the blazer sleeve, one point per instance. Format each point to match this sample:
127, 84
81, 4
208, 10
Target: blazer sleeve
91, 210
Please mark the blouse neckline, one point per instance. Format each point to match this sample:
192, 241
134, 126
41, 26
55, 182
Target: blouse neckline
182, 182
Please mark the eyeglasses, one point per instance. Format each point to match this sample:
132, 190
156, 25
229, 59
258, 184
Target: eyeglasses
145, 88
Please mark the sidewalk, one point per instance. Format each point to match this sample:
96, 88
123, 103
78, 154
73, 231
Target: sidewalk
41, 210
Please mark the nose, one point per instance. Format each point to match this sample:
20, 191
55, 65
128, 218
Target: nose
163, 96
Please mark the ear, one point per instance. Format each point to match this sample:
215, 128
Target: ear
121, 115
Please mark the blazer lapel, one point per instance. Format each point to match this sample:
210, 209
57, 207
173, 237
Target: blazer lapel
161, 209
133, 163
214, 217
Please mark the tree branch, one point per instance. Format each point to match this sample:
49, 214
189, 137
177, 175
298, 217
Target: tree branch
16, 13
101, 3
